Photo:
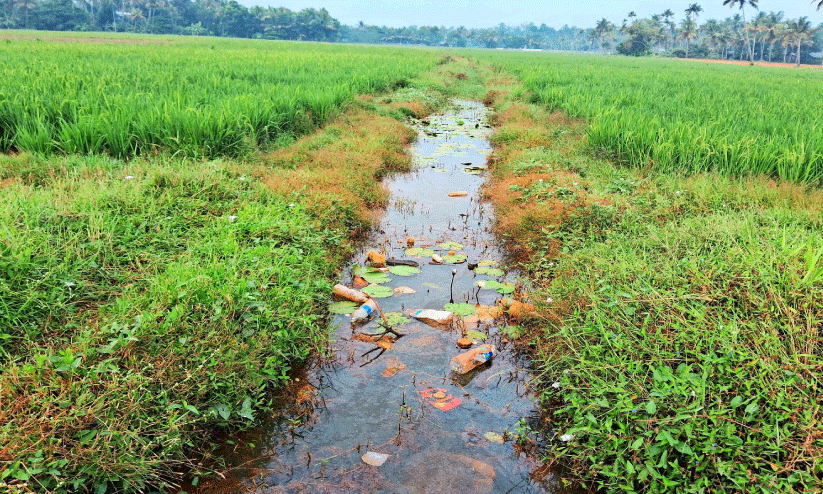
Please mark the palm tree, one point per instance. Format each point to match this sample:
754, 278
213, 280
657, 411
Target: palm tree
694, 9
603, 29
801, 32
742, 3
688, 31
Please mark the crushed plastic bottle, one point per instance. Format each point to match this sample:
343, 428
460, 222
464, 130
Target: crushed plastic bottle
467, 361
364, 312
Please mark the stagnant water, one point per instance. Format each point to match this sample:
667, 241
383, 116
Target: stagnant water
367, 398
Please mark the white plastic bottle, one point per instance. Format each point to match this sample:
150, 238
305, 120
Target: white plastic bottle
364, 312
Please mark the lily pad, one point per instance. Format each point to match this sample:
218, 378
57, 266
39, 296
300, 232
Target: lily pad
451, 245
460, 309
396, 319
490, 271
419, 252
345, 307
475, 335
376, 277
432, 286
455, 259
488, 284
488, 262
378, 291
404, 270
505, 288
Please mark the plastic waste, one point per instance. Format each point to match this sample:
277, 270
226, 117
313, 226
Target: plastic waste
364, 312
467, 361
350, 293
440, 399
431, 316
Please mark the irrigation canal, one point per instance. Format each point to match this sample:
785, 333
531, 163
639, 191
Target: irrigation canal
397, 396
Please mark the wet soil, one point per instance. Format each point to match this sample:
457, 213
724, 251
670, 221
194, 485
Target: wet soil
395, 394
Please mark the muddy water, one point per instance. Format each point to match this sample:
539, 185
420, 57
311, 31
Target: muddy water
366, 398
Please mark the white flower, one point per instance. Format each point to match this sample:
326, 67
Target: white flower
566, 371
566, 437
556, 385
541, 180
291, 205
481, 284
128, 177
549, 300
242, 178
232, 218
551, 264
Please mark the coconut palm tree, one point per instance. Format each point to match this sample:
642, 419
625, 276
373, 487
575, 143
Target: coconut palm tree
694, 9
602, 31
688, 31
742, 4
801, 32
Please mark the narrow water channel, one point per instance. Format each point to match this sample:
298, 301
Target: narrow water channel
442, 432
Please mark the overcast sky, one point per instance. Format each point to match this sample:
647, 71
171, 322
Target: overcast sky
554, 13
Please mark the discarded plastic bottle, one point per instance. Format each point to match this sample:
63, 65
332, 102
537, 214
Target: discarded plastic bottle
467, 361
350, 293
364, 312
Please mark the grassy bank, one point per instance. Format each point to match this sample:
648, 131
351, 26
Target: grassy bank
680, 342
146, 304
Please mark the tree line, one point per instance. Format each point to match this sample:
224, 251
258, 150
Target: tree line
764, 36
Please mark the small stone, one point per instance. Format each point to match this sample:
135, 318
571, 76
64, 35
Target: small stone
375, 459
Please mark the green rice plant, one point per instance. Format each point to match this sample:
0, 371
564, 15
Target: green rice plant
181, 96
685, 117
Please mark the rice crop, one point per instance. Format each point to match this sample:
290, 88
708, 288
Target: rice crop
188, 97
685, 117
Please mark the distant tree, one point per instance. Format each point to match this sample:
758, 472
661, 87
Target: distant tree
688, 32
693, 10
801, 32
742, 4
642, 35
602, 32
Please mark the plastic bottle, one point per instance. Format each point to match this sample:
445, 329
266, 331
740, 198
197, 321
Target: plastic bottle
350, 293
467, 361
364, 312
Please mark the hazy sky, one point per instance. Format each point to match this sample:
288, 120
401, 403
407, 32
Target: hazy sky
554, 13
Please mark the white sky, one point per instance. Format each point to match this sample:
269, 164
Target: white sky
554, 13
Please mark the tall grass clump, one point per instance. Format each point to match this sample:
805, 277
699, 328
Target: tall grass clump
187, 97
685, 117
137, 314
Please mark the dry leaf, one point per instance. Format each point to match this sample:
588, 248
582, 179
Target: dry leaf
458, 194
392, 370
